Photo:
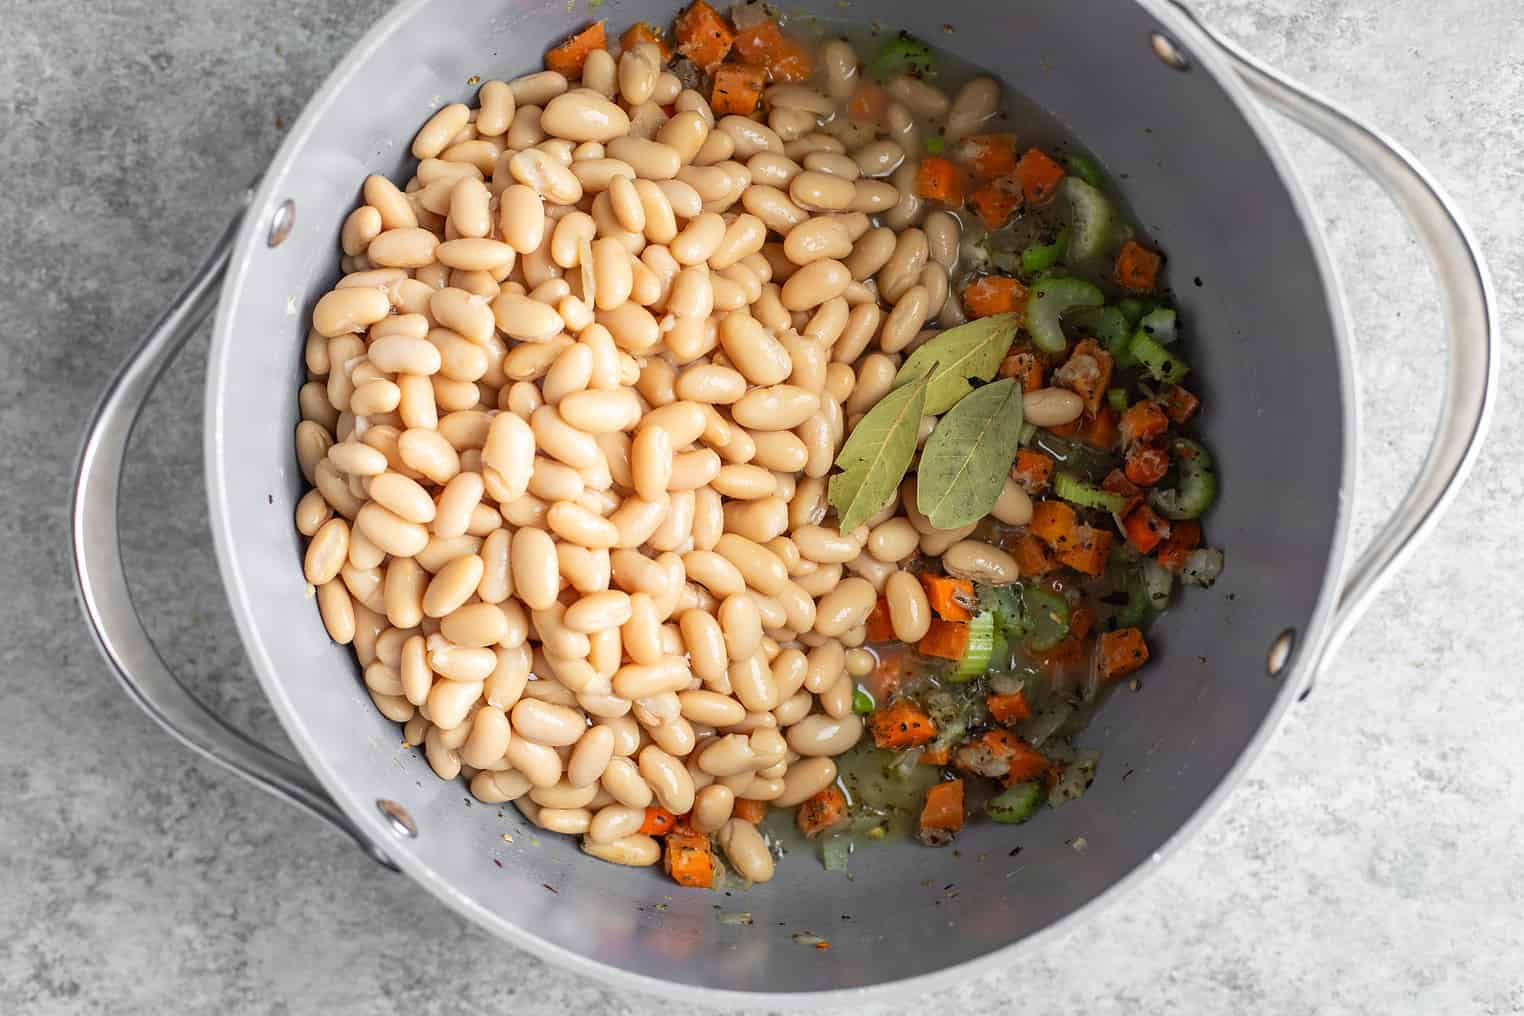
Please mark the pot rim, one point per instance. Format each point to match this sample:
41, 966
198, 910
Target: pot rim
1305, 653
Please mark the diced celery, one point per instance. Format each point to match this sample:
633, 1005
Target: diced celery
1109, 327
1090, 220
1041, 256
1160, 363
1049, 300
1047, 617
904, 54
1016, 804
1076, 491
1133, 308
981, 646
1086, 168
1197, 488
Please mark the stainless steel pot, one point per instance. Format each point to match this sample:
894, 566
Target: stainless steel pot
1274, 359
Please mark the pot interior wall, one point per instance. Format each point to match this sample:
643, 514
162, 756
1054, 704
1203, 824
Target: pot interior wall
1264, 348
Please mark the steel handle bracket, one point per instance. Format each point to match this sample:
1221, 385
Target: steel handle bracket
102, 582
1467, 302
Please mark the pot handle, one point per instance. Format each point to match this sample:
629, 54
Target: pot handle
103, 589
1466, 299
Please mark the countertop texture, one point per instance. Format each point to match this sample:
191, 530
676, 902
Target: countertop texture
1370, 863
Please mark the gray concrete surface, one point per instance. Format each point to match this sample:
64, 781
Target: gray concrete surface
1370, 864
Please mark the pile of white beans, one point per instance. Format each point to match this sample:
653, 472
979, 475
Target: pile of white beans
569, 419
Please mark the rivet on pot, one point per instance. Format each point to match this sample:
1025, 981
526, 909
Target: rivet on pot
401, 822
1166, 50
281, 222
1280, 652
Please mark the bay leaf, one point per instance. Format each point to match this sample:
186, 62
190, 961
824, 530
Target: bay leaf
972, 350
969, 454
876, 455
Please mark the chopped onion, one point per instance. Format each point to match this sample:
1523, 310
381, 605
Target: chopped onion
903, 765
1157, 582
1077, 777
1202, 567
835, 851
1007, 684
750, 14
1046, 723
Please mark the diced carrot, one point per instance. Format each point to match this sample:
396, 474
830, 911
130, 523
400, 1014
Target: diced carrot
888, 674
1099, 429
1116, 482
1071, 651
1144, 528
1009, 708
749, 811
945, 640
689, 860
1179, 404
792, 62
757, 44
1024, 366
1067, 654
989, 156
571, 54
1065, 429
659, 821
1120, 652
880, 629
901, 724
942, 814
939, 179
935, 756
821, 812
995, 202
1088, 550
950, 598
764, 45
703, 35
737, 89
1000, 754
1054, 523
1003, 756
1033, 556
642, 32
1026, 763
1087, 373
1137, 267
993, 294
1032, 470
1143, 421
1183, 538
1052, 774
987, 755
1147, 464
1039, 176
868, 103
